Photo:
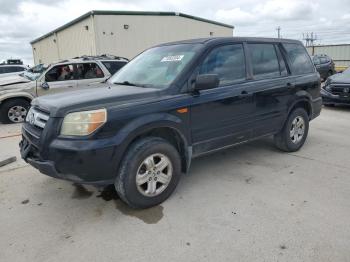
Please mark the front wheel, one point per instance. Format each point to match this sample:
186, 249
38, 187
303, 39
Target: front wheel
14, 111
294, 133
149, 173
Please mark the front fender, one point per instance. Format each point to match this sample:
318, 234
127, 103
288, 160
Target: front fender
7, 95
144, 124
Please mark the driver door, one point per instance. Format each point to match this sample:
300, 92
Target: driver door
59, 78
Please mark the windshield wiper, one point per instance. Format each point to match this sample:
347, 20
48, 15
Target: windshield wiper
127, 83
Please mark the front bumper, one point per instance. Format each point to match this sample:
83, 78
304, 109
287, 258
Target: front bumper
85, 162
330, 99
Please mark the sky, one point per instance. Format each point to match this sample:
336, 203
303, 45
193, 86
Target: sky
24, 20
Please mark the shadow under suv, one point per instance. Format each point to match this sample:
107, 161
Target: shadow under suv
171, 103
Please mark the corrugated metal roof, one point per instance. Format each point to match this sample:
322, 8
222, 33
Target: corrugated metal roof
100, 12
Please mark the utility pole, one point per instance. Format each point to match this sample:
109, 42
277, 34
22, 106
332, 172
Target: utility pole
310, 38
278, 31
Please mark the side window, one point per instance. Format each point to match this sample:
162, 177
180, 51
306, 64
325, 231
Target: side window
60, 73
89, 71
299, 59
264, 61
2, 70
112, 66
227, 62
282, 63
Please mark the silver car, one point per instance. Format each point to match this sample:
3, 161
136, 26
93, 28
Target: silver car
8, 70
17, 91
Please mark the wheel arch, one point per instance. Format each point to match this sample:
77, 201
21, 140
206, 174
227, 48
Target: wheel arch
303, 101
167, 126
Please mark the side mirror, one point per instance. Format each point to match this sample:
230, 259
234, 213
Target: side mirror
45, 86
207, 81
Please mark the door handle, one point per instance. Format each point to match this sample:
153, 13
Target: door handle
290, 86
244, 94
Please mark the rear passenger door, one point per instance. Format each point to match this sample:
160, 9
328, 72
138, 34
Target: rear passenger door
272, 86
89, 74
222, 116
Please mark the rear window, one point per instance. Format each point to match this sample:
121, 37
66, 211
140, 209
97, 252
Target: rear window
113, 67
10, 69
299, 59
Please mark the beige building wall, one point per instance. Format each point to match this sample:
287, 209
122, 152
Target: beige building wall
146, 31
339, 53
75, 40
121, 35
45, 51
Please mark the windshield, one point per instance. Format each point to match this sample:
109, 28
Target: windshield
157, 67
35, 72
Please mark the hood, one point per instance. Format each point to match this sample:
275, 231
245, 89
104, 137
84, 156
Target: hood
105, 96
340, 78
12, 79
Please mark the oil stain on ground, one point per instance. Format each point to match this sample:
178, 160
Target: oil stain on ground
80, 192
149, 216
108, 193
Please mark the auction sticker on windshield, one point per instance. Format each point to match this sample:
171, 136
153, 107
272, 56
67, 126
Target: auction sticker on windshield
172, 58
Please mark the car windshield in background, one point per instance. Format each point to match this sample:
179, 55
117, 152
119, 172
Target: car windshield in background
35, 72
157, 67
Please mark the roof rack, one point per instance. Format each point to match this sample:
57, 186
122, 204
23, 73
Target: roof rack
103, 56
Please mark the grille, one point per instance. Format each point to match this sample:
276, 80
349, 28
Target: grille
37, 118
340, 89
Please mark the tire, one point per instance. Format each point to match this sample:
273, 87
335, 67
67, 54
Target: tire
134, 167
16, 105
284, 140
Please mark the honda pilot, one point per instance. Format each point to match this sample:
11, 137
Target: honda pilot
172, 103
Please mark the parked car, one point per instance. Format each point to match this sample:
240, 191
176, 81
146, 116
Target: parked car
336, 90
172, 103
16, 92
324, 65
8, 70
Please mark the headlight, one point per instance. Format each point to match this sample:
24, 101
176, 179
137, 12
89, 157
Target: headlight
83, 123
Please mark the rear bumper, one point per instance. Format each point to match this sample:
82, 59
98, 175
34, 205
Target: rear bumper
330, 99
316, 107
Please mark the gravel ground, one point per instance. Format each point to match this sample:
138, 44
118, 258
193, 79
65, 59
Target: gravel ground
248, 203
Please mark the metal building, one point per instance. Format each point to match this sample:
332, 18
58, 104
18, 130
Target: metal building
339, 53
121, 33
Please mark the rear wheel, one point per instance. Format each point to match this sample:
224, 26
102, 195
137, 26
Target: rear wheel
294, 133
14, 110
149, 173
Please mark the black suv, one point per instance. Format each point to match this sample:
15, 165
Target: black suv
172, 103
324, 65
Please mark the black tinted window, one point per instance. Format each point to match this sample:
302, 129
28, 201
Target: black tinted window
89, 71
112, 66
299, 59
264, 61
227, 62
